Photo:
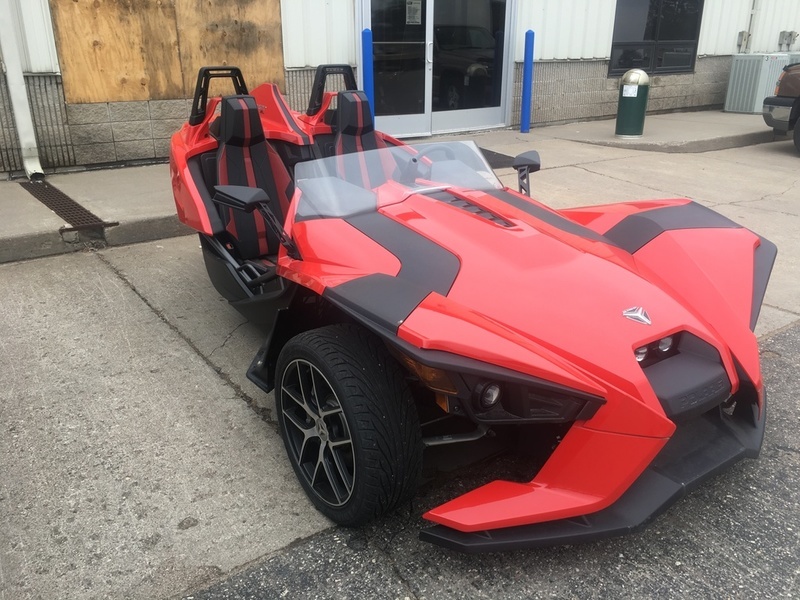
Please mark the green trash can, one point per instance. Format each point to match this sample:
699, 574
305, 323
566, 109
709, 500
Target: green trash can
634, 88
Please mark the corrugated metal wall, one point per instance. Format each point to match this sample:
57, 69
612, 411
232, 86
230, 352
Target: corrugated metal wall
566, 29
318, 31
10, 156
721, 24
724, 19
772, 17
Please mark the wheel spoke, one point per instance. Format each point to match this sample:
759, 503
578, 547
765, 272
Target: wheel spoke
320, 463
315, 426
306, 391
340, 444
338, 460
293, 396
315, 391
330, 412
340, 488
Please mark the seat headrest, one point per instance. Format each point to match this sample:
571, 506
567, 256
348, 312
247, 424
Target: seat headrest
240, 124
353, 114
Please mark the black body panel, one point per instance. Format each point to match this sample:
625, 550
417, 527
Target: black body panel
637, 230
423, 262
383, 300
549, 217
763, 261
696, 452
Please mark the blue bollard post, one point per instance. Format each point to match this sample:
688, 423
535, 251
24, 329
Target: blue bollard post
527, 84
368, 75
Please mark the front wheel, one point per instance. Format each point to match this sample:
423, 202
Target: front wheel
348, 422
797, 135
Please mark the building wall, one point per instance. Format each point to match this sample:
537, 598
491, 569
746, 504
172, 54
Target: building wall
565, 29
10, 157
115, 89
722, 21
772, 17
78, 121
316, 32
593, 95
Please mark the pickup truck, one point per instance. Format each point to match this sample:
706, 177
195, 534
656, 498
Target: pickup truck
782, 110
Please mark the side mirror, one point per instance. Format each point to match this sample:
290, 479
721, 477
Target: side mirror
525, 164
240, 197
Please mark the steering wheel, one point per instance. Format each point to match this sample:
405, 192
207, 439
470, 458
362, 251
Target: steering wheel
411, 169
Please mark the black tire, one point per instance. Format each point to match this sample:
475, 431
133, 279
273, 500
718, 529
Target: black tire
348, 422
797, 135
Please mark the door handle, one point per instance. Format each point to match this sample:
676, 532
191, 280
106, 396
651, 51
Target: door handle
429, 53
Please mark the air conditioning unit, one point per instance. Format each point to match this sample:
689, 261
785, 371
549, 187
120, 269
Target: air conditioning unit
794, 57
753, 78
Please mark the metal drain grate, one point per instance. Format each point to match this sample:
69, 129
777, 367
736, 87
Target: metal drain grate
65, 207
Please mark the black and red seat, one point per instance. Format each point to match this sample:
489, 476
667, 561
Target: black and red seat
355, 133
245, 157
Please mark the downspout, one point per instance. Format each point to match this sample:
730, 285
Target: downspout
12, 66
753, 12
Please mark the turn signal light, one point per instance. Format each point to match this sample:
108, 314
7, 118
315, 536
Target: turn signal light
433, 378
778, 85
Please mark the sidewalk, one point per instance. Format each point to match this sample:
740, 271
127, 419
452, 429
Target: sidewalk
140, 198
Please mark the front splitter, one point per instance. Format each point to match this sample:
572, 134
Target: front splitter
697, 451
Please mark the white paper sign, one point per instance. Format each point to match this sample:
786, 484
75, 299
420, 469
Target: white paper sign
630, 91
413, 12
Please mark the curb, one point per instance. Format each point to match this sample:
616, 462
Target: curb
52, 243
692, 146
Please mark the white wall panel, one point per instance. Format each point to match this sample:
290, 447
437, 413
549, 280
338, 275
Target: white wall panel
317, 32
724, 19
35, 35
721, 24
772, 17
566, 29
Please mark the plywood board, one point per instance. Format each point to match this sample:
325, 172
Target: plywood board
117, 50
241, 33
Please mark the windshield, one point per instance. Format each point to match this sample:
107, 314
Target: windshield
350, 184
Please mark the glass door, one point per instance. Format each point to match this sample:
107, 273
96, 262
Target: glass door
403, 68
439, 65
468, 64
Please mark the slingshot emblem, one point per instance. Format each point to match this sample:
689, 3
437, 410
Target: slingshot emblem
638, 314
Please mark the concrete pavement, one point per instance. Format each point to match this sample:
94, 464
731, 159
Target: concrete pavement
137, 461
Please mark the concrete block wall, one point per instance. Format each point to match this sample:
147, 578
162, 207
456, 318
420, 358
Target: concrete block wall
124, 131
565, 91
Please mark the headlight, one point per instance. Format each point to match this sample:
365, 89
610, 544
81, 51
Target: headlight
487, 395
640, 353
657, 350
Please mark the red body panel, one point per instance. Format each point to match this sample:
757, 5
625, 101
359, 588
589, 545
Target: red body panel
607, 463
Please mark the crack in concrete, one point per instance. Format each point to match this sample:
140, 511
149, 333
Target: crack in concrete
227, 338
264, 414
393, 565
660, 191
768, 196
780, 308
